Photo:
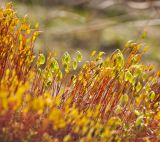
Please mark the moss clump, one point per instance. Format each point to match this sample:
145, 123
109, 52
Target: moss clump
111, 99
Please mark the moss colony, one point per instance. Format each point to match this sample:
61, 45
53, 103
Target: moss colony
114, 98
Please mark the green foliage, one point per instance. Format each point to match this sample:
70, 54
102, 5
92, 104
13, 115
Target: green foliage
112, 99
40, 60
79, 56
75, 64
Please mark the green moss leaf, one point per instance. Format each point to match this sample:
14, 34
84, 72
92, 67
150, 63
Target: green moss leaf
54, 66
128, 76
120, 59
124, 99
40, 60
139, 121
138, 87
152, 95
93, 53
75, 64
79, 57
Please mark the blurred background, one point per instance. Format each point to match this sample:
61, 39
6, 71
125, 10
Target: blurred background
86, 25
